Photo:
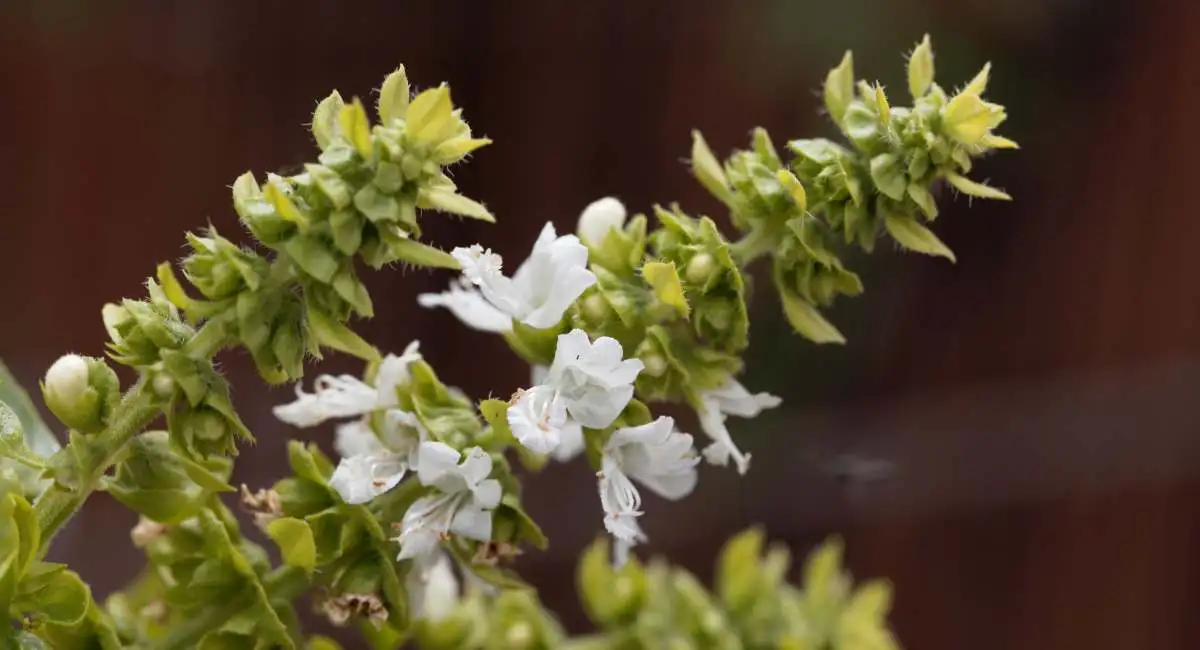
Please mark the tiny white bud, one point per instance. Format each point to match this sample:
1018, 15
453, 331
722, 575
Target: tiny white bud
595, 308
67, 379
598, 218
700, 268
519, 635
163, 385
655, 365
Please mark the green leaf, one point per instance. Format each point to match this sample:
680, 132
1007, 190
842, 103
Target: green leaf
9, 576
708, 170
737, 569
324, 120
839, 88
28, 532
38, 437
346, 229
332, 334
281, 200
794, 188
455, 149
666, 285
295, 540
414, 252
63, 599
171, 287
806, 319
973, 188
445, 200
924, 199
915, 237
313, 256
12, 441
393, 97
888, 174
428, 114
356, 127
527, 528
920, 68
330, 184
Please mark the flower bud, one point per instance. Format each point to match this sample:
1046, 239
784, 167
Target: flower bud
700, 269
79, 391
598, 218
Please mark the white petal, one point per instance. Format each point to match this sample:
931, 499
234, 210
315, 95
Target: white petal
423, 525
436, 460
358, 479
733, 398
712, 422
536, 420
393, 372
538, 374
433, 590
621, 551
569, 350
570, 442
598, 218
469, 306
475, 467
473, 523
569, 284
355, 439
596, 408
487, 493
333, 397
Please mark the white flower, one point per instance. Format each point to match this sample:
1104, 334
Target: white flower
570, 434
461, 505
654, 455
432, 589
344, 396
598, 218
537, 419
368, 468
543, 287
469, 306
730, 399
591, 378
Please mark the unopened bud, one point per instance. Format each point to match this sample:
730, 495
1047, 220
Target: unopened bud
595, 308
163, 385
700, 268
598, 218
655, 365
77, 388
519, 635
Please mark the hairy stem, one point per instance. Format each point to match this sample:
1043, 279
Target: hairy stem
283, 584
58, 503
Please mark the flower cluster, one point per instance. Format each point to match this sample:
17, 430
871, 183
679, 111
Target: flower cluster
409, 534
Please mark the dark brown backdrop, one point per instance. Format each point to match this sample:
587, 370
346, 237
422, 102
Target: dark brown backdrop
1035, 401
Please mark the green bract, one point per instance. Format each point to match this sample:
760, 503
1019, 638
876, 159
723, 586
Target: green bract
671, 290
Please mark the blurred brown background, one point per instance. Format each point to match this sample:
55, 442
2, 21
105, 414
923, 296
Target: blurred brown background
1032, 407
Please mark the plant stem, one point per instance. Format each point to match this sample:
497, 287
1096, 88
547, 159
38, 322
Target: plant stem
756, 243
283, 584
58, 504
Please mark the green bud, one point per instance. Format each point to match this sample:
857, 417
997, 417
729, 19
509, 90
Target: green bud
81, 391
968, 119
219, 269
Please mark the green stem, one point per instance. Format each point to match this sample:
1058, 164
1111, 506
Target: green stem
753, 245
283, 584
58, 504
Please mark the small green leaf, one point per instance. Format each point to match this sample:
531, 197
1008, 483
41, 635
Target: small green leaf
29, 536
527, 528
171, 287
63, 599
455, 149
279, 198
12, 441
313, 256
915, 237
707, 169
737, 568
444, 200
973, 188
888, 174
324, 120
356, 127
428, 114
330, 184
414, 252
980, 82
924, 199
794, 188
495, 411
393, 97
806, 319
839, 88
666, 285
920, 68
332, 334
295, 540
